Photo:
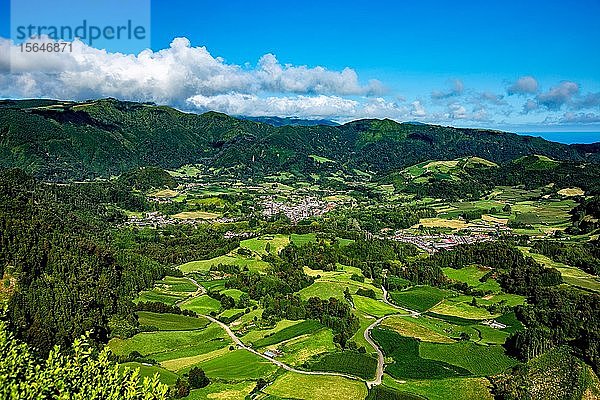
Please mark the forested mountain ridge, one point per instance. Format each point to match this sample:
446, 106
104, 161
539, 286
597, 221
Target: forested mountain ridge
58, 141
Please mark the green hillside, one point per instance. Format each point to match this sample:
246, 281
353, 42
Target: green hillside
61, 140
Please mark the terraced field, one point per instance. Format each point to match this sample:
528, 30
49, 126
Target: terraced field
420, 298
314, 387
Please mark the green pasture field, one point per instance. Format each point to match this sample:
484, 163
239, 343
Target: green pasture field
460, 307
185, 361
480, 360
257, 245
420, 298
171, 322
290, 332
165, 193
216, 285
347, 362
196, 215
490, 335
408, 364
202, 304
186, 170
344, 242
164, 345
237, 365
439, 326
508, 298
324, 290
167, 377
246, 319
256, 334
292, 385
224, 391
300, 349
358, 337
445, 389
373, 307
176, 285
253, 263
231, 312
408, 326
157, 296
512, 323
471, 275
235, 293
299, 240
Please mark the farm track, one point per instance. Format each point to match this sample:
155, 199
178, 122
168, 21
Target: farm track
367, 336
199, 292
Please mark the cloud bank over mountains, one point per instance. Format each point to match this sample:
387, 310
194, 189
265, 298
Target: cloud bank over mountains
192, 79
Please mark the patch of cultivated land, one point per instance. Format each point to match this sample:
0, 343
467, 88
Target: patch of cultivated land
257, 334
480, 360
316, 387
445, 389
420, 298
300, 240
176, 285
157, 295
202, 304
406, 326
570, 192
258, 245
196, 215
471, 276
253, 263
441, 223
164, 375
290, 332
407, 363
224, 391
171, 322
460, 307
237, 365
347, 362
373, 307
169, 345
300, 349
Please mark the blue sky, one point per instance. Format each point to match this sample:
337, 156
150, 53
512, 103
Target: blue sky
510, 65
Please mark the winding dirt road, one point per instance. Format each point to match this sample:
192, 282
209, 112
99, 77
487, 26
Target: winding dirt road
380, 358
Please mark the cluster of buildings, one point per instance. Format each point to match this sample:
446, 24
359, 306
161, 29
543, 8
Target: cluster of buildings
150, 219
306, 208
494, 324
433, 243
155, 219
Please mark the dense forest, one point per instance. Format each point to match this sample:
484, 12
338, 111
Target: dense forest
76, 274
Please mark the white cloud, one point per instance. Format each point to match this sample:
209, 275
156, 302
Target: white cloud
417, 109
456, 111
559, 95
248, 104
523, 85
580, 118
168, 76
320, 106
530, 105
456, 90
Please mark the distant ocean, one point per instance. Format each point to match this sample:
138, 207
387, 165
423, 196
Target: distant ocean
567, 137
